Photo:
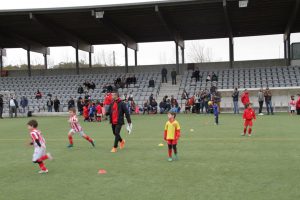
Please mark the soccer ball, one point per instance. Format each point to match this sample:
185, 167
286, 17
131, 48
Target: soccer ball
210, 103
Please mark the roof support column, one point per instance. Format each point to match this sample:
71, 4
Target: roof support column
231, 52
90, 59
28, 62
135, 58
177, 58
77, 60
45, 61
287, 49
1, 62
182, 55
126, 59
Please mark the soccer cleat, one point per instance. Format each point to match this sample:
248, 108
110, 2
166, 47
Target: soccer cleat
93, 143
70, 146
243, 134
261, 114
249, 135
43, 171
170, 159
122, 144
50, 157
114, 150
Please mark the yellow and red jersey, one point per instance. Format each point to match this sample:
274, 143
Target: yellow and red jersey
172, 130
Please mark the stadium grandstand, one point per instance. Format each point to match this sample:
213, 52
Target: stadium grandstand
129, 24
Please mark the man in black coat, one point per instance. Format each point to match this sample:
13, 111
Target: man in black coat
1, 106
116, 111
56, 104
164, 73
71, 103
173, 75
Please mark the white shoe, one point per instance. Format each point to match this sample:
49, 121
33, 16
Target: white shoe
261, 114
242, 134
50, 157
249, 135
43, 171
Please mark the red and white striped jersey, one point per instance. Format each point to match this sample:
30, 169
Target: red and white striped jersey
37, 135
75, 124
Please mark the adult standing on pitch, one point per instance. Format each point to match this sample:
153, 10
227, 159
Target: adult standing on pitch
268, 100
260, 96
116, 111
235, 98
164, 73
13, 106
1, 106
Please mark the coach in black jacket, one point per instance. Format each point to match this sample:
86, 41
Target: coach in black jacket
116, 111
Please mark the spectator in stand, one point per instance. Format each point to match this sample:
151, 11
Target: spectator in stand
151, 98
235, 99
174, 105
109, 88
268, 100
80, 90
208, 78
38, 95
214, 77
298, 105
292, 105
174, 75
1, 106
260, 97
49, 104
187, 106
151, 83
245, 98
162, 107
146, 107
71, 103
80, 104
24, 103
192, 103
133, 79
153, 106
197, 74
128, 81
93, 86
184, 95
164, 73
213, 89
13, 107
56, 104
87, 85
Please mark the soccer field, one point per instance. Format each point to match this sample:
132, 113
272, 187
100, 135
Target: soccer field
215, 162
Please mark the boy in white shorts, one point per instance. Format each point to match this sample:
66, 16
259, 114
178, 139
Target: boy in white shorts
39, 144
76, 128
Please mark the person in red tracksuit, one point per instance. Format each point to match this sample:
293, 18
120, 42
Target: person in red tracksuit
248, 116
245, 98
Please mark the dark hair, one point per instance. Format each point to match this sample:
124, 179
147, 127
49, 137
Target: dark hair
248, 104
173, 114
33, 123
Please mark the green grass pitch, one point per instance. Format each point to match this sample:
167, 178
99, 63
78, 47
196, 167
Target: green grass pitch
215, 162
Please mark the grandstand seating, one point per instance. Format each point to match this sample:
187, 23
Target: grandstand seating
243, 78
65, 86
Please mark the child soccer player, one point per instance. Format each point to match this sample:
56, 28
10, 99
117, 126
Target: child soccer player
98, 112
216, 113
248, 116
86, 113
76, 128
39, 144
171, 135
292, 105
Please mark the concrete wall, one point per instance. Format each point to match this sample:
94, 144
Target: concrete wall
151, 68
295, 62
